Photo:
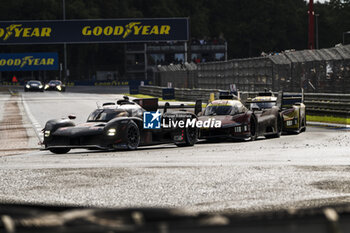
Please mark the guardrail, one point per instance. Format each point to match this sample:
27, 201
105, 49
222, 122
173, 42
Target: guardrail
180, 93
320, 107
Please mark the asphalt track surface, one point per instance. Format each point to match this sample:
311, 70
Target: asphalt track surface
294, 171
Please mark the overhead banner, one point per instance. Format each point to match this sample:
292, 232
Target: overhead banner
94, 31
28, 61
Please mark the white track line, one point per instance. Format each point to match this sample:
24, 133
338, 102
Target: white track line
36, 126
314, 123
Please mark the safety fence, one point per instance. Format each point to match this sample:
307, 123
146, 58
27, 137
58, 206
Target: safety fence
326, 107
89, 83
316, 71
183, 94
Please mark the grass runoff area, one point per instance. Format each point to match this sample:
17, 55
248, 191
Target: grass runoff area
329, 119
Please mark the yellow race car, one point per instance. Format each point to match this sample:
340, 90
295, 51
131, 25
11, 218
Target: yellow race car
293, 113
292, 109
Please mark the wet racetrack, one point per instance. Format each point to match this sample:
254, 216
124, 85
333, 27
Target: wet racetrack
306, 170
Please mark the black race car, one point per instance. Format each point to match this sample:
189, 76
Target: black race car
55, 85
33, 85
117, 125
267, 109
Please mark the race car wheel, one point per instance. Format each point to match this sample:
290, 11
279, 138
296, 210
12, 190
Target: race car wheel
190, 137
303, 126
279, 129
253, 133
59, 150
132, 136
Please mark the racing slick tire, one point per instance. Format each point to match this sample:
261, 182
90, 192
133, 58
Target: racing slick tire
132, 136
253, 129
190, 137
279, 129
59, 150
303, 125
300, 126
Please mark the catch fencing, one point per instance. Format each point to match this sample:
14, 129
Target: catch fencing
316, 71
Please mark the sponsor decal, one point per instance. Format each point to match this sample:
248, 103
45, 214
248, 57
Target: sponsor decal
18, 31
132, 28
94, 31
28, 61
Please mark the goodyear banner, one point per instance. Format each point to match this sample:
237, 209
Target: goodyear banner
28, 61
92, 31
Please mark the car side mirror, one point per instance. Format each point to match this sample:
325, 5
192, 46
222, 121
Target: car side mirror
72, 117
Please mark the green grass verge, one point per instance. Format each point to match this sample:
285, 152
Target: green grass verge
329, 119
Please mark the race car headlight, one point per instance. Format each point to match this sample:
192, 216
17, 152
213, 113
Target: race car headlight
41, 86
46, 86
27, 86
111, 132
59, 88
47, 133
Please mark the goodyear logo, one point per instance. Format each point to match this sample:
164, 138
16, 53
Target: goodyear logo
18, 31
132, 28
28, 61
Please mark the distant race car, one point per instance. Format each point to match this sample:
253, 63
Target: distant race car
55, 85
116, 126
239, 122
293, 113
33, 85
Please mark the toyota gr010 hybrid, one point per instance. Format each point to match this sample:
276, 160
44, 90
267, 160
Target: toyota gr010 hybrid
55, 85
33, 85
240, 122
116, 126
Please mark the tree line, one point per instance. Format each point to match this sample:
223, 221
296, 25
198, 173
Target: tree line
250, 27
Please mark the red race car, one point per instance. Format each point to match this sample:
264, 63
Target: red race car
261, 118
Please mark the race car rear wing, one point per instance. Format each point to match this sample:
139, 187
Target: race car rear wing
289, 100
246, 101
152, 105
149, 104
197, 107
227, 95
